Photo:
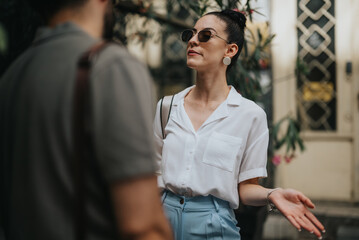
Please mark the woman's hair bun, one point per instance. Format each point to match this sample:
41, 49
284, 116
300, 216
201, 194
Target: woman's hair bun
237, 17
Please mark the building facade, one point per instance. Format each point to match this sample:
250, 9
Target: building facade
324, 34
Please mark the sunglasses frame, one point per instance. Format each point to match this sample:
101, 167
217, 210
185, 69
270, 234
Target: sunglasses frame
198, 33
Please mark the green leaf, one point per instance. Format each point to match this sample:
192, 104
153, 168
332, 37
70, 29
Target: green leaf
3, 40
287, 142
280, 143
220, 3
301, 145
260, 37
258, 12
268, 40
234, 4
245, 48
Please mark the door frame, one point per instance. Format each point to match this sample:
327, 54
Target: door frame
354, 6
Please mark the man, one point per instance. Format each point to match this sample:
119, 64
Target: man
36, 102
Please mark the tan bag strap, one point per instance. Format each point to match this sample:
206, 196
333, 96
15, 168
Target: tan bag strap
82, 135
165, 111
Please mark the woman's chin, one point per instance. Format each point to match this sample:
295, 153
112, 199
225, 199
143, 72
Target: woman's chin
193, 65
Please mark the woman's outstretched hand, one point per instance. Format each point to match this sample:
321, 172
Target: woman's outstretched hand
294, 206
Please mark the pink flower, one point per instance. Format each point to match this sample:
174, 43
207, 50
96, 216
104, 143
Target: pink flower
243, 12
276, 160
235, 9
288, 159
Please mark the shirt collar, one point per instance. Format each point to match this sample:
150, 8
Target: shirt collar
44, 34
181, 95
233, 98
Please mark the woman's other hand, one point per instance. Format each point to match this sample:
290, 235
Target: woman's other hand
294, 206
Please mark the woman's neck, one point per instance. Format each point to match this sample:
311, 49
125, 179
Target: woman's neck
211, 87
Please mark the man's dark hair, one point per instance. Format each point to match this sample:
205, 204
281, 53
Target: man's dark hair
47, 8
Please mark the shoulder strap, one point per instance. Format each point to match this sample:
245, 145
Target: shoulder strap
166, 106
82, 134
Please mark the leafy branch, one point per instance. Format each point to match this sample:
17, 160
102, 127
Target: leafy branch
247, 77
291, 139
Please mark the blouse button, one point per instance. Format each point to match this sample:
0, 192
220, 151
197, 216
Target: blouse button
181, 201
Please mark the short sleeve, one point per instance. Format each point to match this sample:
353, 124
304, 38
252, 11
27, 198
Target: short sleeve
254, 159
122, 116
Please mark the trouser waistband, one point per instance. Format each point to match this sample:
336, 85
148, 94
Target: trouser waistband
197, 203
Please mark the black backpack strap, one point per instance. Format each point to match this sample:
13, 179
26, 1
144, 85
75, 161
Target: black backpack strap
166, 107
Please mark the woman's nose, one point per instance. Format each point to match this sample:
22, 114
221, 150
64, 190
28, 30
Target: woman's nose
194, 39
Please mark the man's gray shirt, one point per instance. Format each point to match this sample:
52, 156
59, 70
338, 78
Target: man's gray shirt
36, 101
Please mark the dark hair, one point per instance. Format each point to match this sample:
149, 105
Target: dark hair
236, 23
47, 8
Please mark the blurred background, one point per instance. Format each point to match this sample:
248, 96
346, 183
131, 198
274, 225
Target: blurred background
300, 63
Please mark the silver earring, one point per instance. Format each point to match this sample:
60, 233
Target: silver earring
227, 60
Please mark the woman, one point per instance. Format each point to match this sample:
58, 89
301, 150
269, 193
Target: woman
215, 148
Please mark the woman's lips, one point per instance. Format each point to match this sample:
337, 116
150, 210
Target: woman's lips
192, 53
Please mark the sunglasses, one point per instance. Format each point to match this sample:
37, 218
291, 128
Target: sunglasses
203, 36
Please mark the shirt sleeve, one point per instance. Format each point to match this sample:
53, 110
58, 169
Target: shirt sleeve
122, 115
254, 159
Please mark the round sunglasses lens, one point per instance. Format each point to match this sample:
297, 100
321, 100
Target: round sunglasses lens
204, 36
186, 35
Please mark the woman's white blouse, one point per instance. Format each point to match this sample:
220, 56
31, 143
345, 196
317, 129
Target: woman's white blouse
230, 147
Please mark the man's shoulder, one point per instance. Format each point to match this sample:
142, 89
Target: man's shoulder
116, 65
115, 53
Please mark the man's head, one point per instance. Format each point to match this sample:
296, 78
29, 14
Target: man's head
109, 22
48, 8
87, 12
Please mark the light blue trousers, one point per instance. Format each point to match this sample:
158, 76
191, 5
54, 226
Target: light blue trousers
199, 218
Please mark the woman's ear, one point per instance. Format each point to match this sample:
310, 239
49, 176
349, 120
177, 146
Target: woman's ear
232, 50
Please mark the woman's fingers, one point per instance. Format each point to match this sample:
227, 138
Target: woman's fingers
294, 206
303, 223
315, 221
294, 222
300, 222
309, 226
307, 202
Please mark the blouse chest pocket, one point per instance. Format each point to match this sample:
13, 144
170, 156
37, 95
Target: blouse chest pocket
221, 151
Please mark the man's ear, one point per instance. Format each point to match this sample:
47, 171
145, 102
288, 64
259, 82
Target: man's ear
232, 50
